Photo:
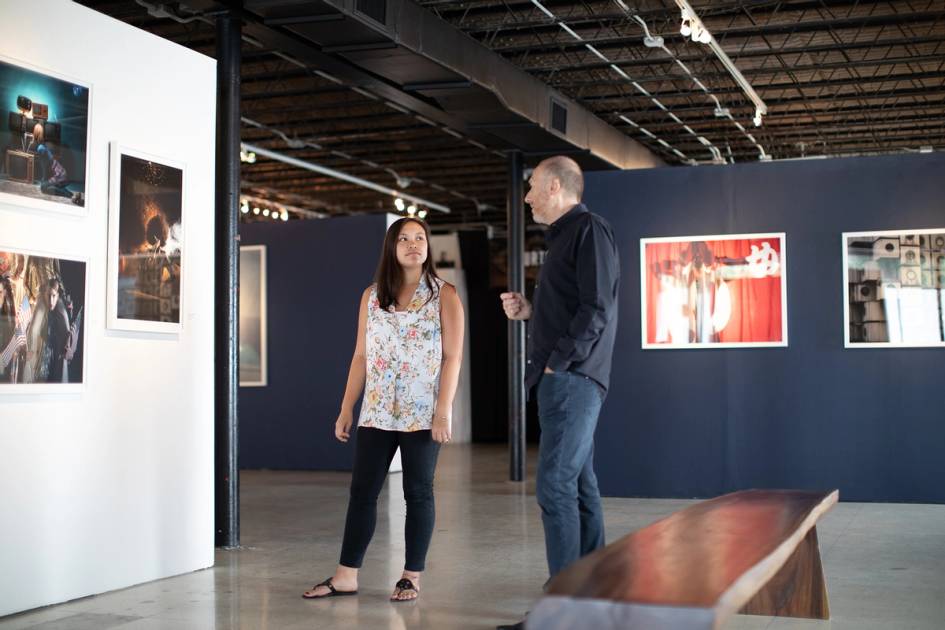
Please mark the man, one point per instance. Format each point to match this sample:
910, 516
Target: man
573, 323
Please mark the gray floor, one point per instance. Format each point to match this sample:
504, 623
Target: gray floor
885, 564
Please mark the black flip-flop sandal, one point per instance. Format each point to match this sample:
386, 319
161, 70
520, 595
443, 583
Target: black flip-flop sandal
332, 591
404, 584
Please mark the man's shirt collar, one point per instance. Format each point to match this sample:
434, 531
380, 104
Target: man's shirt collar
567, 218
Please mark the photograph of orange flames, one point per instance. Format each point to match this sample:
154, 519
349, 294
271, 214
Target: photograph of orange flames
150, 241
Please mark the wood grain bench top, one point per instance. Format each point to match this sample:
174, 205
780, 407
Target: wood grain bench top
714, 555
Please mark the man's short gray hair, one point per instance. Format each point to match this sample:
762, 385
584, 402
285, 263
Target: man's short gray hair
567, 172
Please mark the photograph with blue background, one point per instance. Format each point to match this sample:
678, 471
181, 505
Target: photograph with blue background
43, 135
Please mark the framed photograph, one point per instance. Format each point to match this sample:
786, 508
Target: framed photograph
42, 322
146, 242
253, 316
725, 291
44, 138
894, 282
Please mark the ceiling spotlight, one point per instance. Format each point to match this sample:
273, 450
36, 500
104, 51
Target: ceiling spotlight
285, 215
266, 212
244, 207
757, 118
411, 209
685, 29
696, 31
722, 112
256, 210
693, 27
403, 182
248, 156
399, 204
422, 214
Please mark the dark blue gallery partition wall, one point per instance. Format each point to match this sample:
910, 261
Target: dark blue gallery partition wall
316, 271
698, 423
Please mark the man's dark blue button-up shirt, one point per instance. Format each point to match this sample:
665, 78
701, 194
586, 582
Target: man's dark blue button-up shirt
574, 309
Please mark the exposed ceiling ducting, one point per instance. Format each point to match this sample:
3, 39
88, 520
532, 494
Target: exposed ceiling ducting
436, 67
387, 99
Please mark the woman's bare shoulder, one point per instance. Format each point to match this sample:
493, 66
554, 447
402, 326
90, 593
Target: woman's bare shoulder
447, 290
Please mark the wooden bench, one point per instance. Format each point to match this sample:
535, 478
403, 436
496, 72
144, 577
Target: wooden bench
753, 552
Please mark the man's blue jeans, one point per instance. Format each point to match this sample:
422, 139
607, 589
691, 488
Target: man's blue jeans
568, 406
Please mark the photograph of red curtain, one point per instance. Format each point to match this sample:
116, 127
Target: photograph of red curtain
714, 290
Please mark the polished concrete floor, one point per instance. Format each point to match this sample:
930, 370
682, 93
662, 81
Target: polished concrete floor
885, 564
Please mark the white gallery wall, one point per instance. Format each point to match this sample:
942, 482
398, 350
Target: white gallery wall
113, 486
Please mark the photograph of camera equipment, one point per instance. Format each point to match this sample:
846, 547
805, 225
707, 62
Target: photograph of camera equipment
895, 287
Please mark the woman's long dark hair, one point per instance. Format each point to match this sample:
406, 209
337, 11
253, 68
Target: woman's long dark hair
390, 275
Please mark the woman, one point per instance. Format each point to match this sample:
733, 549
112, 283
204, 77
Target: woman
409, 350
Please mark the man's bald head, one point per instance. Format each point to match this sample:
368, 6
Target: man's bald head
566, 171
556, 186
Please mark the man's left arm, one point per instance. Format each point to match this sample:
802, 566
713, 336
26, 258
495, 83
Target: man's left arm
597, 274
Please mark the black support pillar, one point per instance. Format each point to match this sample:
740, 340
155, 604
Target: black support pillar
516, 248
226, 331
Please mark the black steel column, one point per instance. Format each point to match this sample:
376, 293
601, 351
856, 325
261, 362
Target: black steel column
226, 289
516, 247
